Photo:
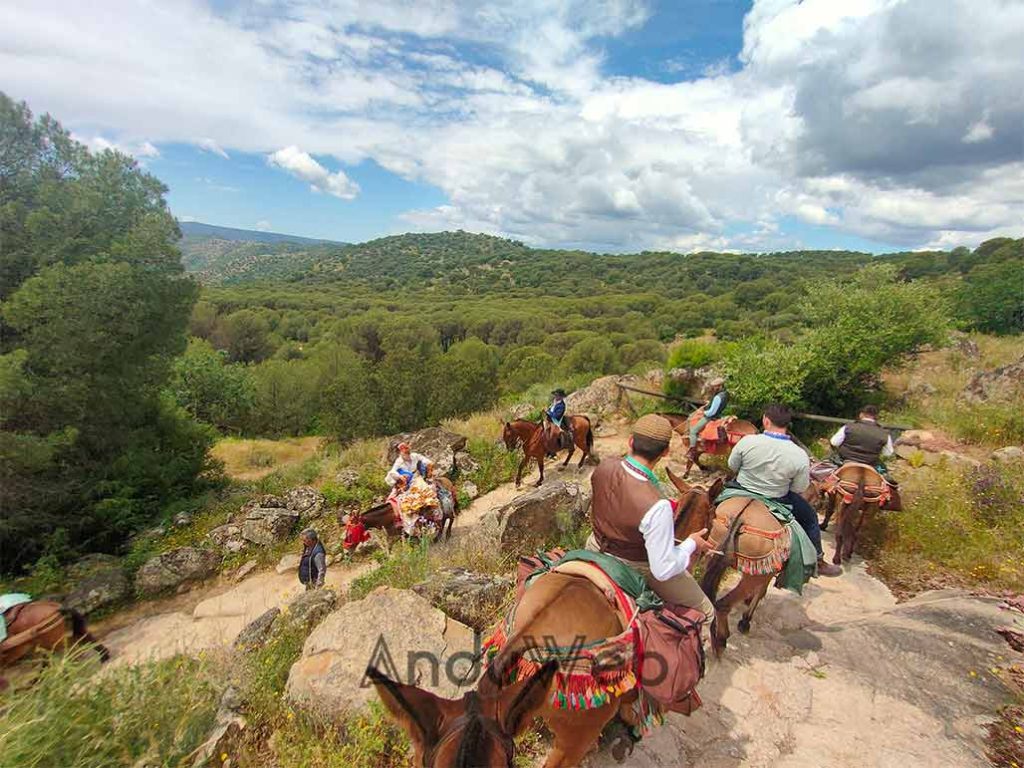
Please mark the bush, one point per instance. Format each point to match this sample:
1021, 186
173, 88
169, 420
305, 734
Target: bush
694, 353
150, 714
595, 355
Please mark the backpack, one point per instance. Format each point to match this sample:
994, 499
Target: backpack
673, 656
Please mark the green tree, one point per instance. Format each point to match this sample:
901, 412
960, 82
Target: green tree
245, 335
210, 388
594, 355
524, 367
93, 309
464, 380
991, 297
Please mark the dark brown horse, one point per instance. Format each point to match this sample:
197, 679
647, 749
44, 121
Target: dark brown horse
42, 624
727, 432
855, 490
383, 515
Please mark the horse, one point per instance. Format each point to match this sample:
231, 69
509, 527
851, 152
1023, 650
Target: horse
752, 540
568, 611
856, 489
537, 444
582, 438
383, 515
726, 433
43, 624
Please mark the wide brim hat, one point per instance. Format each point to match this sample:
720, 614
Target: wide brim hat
558, 392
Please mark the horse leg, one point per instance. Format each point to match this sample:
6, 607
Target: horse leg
720, 624
753, 601
837, 558
572, 450
830, 508
522, 466
576, 733
540, 466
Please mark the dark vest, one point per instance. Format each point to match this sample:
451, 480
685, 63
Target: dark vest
724, 394
863, 443
308, 572
620, 503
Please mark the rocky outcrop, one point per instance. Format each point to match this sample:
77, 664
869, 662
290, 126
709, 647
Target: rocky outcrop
1005, 384
97, 581
437, 444
397, 631
600, 398
471, 598
310, 608
1008, 454
305, 500
470, 489
257, 631
267, 526
228, 538
538, 517
288, 563
174, 568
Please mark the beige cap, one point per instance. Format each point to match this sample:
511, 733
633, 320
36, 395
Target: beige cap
654, 427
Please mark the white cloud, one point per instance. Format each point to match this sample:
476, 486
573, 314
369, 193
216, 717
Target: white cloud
262, 226
301, 165
140, 150
209, 145
877, 118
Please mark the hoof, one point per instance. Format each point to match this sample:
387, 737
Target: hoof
744, 626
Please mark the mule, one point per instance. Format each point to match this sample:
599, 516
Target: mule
478, 730
46, 625
856, 490
716, 439
383, 515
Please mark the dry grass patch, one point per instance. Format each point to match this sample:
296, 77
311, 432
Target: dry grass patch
247, 460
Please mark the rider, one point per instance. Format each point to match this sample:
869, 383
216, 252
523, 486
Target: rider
771, 465
709, 411
632, 518
406, 465
864, 441
555, 414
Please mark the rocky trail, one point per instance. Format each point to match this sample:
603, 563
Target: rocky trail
841, 676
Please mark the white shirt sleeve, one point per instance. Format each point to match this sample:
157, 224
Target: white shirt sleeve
665, 557
838, 437
736, 457
888, 450
392, 476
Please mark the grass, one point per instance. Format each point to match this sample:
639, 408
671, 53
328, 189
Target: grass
961, 526
251, 459
152, 714
935, 382
409, 563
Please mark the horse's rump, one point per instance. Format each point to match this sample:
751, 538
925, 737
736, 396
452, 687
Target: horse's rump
762, 543
846, 480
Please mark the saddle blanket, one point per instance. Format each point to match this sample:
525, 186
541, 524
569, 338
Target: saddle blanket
7, 602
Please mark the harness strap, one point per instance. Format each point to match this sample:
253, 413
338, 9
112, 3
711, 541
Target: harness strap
46, 625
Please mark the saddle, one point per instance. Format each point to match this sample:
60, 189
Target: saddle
766, 543
846, 479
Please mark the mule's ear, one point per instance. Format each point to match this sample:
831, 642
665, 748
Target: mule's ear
716, 488
681, 485
416, 710
522, 699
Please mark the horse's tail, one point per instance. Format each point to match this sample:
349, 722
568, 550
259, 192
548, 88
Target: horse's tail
76, 621
720, 563
848, 525
590, 436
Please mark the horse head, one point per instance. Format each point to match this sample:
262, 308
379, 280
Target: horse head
509, 436
476, 731
696, 504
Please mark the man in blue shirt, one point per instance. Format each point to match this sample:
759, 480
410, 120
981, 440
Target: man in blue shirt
710, 411
555, 414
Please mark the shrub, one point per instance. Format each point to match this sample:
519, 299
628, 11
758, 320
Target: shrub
694, 353
150, 714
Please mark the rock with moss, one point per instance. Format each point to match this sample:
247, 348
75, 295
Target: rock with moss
97, 581
437, 444
175, 568
541, 517
305, 500
475, 599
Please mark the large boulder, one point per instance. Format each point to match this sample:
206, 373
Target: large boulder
600, 398
257, 632
397, 631
471, 598
1008, 454
175, 568
312, 606
437, 444
305, 500
1005, 384
538, 517
228, 537
97, 581
267, 526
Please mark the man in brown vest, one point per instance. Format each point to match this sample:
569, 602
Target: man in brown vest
633, 519
863, 441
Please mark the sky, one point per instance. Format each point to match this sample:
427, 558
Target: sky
611, 125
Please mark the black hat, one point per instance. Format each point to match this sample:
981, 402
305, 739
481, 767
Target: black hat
558, 392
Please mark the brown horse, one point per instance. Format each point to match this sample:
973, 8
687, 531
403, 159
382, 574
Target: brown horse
753, 541
537, 443
729, 431
46, 625
383, 515
478, 730
857, 490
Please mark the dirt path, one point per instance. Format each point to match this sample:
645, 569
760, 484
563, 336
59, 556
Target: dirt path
841, 676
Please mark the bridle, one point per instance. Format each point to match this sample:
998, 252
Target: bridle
457, 727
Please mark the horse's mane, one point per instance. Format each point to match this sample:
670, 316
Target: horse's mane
471, 747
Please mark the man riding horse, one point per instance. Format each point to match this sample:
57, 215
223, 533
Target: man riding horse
708, 412
633, 520
555, 416
771, 465
864, 441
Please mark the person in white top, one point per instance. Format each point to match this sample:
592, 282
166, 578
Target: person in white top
406, 465
863, 441
634, 521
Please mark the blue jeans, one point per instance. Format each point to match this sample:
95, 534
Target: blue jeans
807, 517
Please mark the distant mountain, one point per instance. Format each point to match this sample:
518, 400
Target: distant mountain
228, 255
197, 230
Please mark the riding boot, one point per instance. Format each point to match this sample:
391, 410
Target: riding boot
828, 569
